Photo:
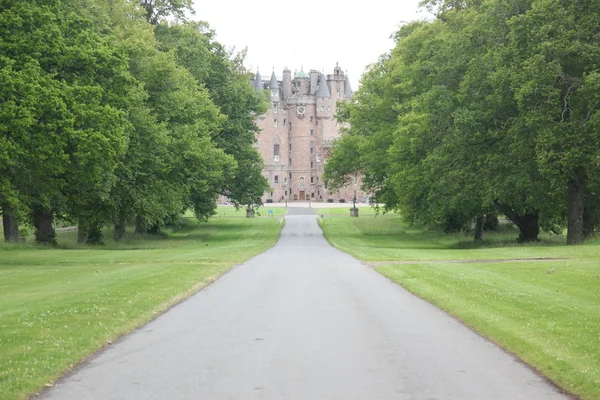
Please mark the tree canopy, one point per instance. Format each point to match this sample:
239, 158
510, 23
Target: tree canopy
489, 108
116, 113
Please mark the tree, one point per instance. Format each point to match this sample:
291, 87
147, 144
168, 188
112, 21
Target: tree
66, 148
222, 73
157, 10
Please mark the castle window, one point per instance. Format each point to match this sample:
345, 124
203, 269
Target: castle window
311, 150
318, 158
338, 94
312, 195
290, 176
312, 164
312, 179
276, 180
275, 122
275, 149
290, 162
311, 119
312, 132
284, 122
322, 108
275, 107
290, 145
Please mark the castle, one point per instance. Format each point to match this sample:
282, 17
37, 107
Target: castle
297, 132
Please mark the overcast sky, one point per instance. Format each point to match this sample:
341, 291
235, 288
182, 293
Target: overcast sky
312, 34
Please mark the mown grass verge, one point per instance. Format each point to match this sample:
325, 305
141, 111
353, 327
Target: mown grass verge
546, 312
58, 306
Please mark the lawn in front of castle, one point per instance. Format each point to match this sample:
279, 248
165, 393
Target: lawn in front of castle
58, 306
546, 311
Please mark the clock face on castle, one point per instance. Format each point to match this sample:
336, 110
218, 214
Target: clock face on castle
301, 109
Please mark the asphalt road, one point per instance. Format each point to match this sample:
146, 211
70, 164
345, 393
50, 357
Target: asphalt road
303, 321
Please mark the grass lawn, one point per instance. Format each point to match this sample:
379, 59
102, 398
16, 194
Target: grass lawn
547, 312
58, 306
263, 212
363, 210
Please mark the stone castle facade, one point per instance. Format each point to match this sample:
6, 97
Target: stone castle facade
297, 133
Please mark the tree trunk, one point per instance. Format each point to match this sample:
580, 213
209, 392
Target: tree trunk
590, 213
44, 231
119, 230
575, 212
154, 229
9, 223
140, 228
95, 235
529, 228
82, 235
528, 224
479, 228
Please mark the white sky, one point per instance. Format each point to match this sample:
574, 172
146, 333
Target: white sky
312, 34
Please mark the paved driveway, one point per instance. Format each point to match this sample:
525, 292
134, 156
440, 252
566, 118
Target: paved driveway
303, 321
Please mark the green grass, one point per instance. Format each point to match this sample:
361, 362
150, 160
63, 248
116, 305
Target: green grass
546, 312
58, 306
263, 212
363, 210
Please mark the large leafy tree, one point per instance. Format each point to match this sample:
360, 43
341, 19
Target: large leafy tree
171, 163
66, 148
222, 73
490, 107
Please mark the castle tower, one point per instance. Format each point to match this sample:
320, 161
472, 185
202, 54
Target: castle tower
323, 99
258, 85
297, 133
347, 89
274, 87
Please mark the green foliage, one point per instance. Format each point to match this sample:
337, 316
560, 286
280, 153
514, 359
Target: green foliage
222, 73
110, 119
491, 107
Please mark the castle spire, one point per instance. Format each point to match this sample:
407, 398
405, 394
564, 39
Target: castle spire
323, 89
258, 85
273, 85
347, 88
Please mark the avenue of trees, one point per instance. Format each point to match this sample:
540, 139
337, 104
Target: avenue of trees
117, 113
491, 108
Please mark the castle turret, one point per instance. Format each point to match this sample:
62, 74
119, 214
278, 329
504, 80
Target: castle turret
347, 88
323, 89
302, 81
258, 85
274, 87
323, 99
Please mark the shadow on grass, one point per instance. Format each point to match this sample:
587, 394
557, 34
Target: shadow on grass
393, 232
186, 232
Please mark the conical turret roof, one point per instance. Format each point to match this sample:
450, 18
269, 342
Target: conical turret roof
347, 88
323, 89
258, 85
273, 85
